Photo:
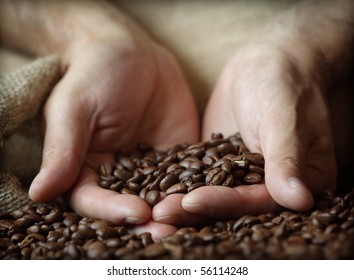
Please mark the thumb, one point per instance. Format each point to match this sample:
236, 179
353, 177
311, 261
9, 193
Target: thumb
66, 140
285, 172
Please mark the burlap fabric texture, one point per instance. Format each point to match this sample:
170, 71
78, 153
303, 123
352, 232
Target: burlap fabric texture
22, 94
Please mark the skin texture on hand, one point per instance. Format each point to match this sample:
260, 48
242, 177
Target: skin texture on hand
118, 88
273, 91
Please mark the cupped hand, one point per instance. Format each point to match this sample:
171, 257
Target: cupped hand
280, 112
114, 94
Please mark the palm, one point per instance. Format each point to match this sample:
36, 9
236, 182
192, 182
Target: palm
109, 100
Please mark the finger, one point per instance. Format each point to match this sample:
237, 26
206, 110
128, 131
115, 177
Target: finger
285, 171
157, 230
66, 138
88, 199
229, 203
170, 211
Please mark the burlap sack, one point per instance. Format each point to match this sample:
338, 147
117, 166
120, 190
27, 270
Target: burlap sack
22, 93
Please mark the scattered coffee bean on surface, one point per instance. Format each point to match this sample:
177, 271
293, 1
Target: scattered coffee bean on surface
45, 232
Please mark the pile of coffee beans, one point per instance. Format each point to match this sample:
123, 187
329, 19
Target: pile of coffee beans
183, 168
325, 232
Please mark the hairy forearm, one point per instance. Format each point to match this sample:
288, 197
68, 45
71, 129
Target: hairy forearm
40, 27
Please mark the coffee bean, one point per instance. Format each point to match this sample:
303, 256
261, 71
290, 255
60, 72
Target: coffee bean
177, 188
121, 174
168, 181
254, 158
252, 178
227, 148
154, 250
105, 169
152, 197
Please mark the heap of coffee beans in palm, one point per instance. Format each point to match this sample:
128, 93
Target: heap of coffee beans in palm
183, 168
324, 232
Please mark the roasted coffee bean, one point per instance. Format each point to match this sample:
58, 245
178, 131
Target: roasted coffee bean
117, 187
154, 251
177, 188
155, 185
122, 174
152, 197
227, 148
127, 191
254, 158
195, 186
169, 180
134, 187
105, 169
106, 232
324, 232
252, 178
187, 174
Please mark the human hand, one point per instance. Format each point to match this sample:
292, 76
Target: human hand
119, 88
273, 91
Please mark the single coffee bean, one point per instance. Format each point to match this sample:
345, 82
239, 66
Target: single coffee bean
122, 175
177, 188
154, 251
227, 148
252, 178
143, 193
106, 232
105, 169
169, 180
152, 197
195, 186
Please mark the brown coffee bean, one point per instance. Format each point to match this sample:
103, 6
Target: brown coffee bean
96, 250
152, 197
177, 188
106, 232
209, 160
126, 162
16, 214
54, 235
261, 234
23, 222
256, 169
227, 148
155, 185
326, 218
254, 158
252, 178
70, 218
100, 224
55, 246
186, 174
146, 239
194, 186
169, 180
229, 181
122, 175
127, 191
105, 169
154, 251
53, 216
17, 237
134, 187
240, 163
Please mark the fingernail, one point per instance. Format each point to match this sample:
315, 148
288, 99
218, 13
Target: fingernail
298, 186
